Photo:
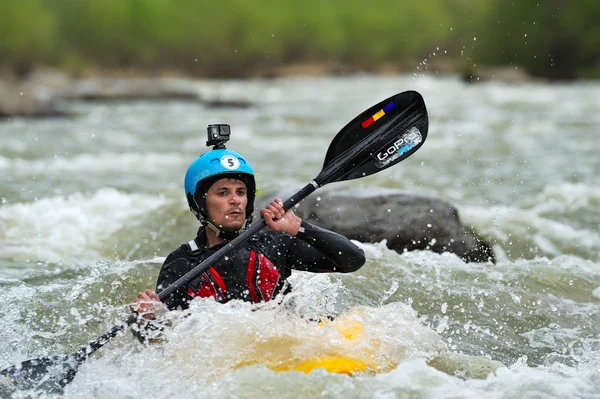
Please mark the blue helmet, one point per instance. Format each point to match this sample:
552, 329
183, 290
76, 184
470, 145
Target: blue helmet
210, 167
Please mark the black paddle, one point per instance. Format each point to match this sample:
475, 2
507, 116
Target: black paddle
378, 138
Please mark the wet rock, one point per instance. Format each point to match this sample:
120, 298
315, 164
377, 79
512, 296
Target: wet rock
503, 74
26, 100
49, 79
130, 90
228, 104
43, 92
144, 89
408, 222
465, 366
328, 68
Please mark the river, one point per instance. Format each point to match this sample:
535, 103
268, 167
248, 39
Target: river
90, 207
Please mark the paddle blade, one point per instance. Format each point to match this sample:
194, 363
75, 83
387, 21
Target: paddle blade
382, 136
47, 374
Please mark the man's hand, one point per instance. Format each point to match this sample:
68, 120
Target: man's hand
147, 304
278, 220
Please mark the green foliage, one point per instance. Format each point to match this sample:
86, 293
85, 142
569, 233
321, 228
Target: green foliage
27, 31
553, 38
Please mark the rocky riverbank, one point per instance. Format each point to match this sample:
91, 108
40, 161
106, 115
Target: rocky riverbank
47, 92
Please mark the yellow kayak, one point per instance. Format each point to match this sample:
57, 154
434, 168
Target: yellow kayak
331, 364
350, 330
362, 340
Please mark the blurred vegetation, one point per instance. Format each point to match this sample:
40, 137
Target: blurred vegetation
553, 38
237, 38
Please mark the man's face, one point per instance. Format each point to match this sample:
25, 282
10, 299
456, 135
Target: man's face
226, 202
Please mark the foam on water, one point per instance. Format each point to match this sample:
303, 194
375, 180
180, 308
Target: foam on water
216, 342
567, 197
13, 331
96, 162
490, 308
56, 311
69, 229
529, 232
228, 351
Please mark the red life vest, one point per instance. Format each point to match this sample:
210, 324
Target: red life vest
261, 280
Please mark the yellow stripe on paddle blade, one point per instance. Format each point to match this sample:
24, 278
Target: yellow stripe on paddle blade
378, 115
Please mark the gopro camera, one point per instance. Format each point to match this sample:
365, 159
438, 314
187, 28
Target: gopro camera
218, 135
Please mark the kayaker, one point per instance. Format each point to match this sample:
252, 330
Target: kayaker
220, 189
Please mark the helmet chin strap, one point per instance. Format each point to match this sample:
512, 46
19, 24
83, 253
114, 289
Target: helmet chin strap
226, 234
